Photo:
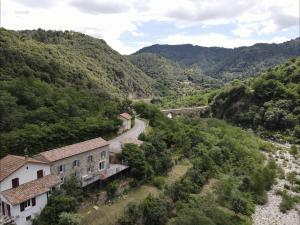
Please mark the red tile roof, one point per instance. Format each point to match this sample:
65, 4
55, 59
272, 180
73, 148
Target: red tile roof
127, 116
11, 163
70, 150
31, 189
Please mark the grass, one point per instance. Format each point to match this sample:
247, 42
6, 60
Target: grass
109, 214
178, 171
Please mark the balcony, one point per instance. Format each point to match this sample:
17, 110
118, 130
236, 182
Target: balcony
112, 170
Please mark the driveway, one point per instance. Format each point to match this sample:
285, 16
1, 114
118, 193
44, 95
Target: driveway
133, 133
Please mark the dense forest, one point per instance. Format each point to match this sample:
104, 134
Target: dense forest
171, 76
269, 103
227, 64
61, 87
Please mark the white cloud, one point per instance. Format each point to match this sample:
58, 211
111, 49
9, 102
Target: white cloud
215, 39
109, 19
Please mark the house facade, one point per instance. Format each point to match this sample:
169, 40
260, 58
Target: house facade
25, 184
88, 161
126, 122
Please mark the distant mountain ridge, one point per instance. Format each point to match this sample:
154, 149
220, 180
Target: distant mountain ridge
228, 63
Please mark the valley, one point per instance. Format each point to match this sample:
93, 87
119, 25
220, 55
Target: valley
207, 134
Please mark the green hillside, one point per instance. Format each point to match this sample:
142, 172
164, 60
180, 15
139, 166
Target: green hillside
171, 75
227, 63
270, 103
61, 87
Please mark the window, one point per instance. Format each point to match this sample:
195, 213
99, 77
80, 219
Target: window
40, 174
15, 182
102, 165
90, 169
33, 201
28, 218
103, 155
61, 168
25, 205
76, 163
90, 158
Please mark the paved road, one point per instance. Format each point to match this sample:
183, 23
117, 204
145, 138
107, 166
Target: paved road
133, 133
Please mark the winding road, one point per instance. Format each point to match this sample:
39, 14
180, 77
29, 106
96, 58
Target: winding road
115, 145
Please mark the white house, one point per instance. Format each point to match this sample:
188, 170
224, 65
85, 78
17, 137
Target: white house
25, 184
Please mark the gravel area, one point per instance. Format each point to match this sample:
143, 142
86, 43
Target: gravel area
270, 214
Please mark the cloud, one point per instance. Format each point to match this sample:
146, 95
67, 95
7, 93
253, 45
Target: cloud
157, 20
37, 3
201, 11
100, 7
215, 39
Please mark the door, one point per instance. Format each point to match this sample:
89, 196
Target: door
15, 182
40, 174
8, 210
3, 208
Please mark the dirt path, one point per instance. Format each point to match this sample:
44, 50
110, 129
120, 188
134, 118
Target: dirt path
270, 214
108, 214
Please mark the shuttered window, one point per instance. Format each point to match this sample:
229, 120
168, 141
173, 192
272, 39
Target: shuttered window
33, 202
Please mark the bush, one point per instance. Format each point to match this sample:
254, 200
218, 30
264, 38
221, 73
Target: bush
288, 202
159, 182
111, 189
69, 219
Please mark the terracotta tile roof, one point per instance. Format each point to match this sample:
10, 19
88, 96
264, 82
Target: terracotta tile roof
11, 163
127, 116
70, 150
31, 189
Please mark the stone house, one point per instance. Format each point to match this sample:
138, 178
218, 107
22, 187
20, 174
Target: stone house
88, 161
126, 122
25, 184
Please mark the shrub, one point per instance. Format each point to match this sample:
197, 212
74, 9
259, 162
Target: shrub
159, 182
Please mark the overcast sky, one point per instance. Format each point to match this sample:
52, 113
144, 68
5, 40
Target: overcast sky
127, 25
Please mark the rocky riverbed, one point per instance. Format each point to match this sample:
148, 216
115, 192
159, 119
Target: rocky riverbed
270, 214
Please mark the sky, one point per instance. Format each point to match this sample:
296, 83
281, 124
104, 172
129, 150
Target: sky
128, 25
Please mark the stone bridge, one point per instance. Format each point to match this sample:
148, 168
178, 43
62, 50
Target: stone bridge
201, 111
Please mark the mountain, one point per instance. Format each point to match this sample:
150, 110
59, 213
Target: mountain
228, 63
269, 103
169, 74
58, 88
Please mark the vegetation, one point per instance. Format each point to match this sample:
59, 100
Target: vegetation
288, 202
58, 88
225, 63
169, 75
216, 150
269, 103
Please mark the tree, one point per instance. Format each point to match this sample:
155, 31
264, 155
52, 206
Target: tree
69, 219
57, 204
154, 211
136, 160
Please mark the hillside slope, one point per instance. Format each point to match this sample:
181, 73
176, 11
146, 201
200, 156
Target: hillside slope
269, 103
58, 88
73, 58
228, 63
169, 74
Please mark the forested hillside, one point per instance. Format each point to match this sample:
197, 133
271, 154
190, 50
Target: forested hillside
227, 63
61, 87
270, 103
169, 74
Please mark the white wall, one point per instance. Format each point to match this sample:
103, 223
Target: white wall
20, 217
26, 173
